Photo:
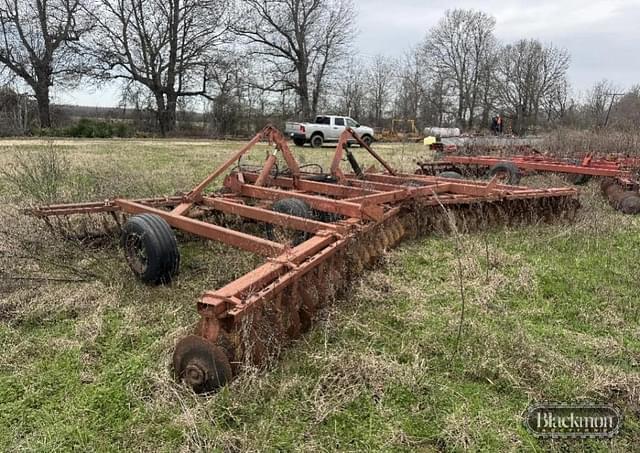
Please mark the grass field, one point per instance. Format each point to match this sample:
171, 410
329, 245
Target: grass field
551, 313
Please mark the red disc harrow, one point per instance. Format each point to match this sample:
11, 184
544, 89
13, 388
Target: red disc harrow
620, 185
342, 222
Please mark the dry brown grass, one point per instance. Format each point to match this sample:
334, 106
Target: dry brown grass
573, 143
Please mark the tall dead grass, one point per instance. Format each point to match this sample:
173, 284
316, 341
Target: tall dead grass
574, 143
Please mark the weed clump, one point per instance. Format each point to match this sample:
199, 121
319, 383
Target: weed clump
38, 176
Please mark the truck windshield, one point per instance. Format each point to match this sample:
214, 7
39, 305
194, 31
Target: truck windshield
351, 123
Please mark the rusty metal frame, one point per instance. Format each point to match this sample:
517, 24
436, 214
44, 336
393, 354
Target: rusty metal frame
362, 201
343, 142
613, 168
358, 203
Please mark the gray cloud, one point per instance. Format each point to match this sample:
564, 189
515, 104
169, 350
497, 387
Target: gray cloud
602, 36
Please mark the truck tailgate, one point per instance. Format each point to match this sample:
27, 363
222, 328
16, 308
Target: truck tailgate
291, 127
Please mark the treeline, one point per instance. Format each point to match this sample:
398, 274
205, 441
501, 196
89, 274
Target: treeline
271, 60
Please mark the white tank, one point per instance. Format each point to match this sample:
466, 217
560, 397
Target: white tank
442, 131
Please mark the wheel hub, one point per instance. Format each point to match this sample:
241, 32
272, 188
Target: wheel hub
200, 364
195, 375
135, 253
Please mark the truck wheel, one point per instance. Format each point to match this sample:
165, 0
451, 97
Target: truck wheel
317, 141
367, 139
299, 141
150, 248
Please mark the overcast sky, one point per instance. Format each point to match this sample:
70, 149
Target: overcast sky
603, 37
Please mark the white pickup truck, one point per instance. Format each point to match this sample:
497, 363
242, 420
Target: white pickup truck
326, 128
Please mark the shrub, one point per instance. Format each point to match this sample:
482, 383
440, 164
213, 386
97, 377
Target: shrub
38, 176
89, 128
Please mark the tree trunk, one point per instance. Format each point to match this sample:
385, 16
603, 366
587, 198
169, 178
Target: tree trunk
172, 106
44, 111
305, 107
166, 113
303, 94
460, 115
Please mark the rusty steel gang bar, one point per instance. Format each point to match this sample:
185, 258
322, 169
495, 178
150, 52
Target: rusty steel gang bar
538, 163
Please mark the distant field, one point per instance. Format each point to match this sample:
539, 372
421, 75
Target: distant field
552, 313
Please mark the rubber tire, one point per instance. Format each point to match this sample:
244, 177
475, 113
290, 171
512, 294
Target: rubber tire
317, 140
299, 141
580, 180
368, 139
450, 174
629, 203
606, 183
577, 179
160, 246
293, 207
511, 169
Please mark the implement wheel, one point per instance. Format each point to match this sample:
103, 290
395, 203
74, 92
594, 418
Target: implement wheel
576, 178
293, 207
150, 248
507, 171
201, 365
450, 174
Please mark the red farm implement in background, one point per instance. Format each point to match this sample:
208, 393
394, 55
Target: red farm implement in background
333, 225
620, 172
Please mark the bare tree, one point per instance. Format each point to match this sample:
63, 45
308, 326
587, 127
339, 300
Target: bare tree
597, 102
459, 48
140, 104
37, 44
488, 89
164, 45
557, 102
626, 111
351, 90
380, 80
16, 111
411, 86
230, 82
530, 74
301, 40
438, 107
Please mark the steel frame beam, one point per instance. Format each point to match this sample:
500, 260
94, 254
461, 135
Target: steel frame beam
269, 133
207, 230
319, 203
268, 216
590, 167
